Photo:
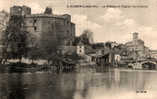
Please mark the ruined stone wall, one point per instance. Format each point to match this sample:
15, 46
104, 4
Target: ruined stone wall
48, 29
61, 29
20, 10
26, 10
34, 26
16, 10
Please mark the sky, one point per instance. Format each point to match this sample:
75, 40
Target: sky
107, 24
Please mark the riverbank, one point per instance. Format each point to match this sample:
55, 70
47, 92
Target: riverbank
22, 67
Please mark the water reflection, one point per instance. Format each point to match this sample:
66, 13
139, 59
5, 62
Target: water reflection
16, 88
114, 84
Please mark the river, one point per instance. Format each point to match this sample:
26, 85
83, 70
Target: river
113, 84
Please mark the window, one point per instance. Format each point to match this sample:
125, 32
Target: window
67, 22
103, 51
35, 20
35, 28
67, 32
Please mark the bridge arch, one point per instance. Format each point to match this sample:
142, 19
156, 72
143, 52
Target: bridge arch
149, 65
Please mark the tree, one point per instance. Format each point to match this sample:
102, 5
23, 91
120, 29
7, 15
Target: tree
15, 37
108, 45
86, 38
4, 18
33, 51
98, 45
48, 45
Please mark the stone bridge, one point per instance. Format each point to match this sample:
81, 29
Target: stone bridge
152, 62
149, 64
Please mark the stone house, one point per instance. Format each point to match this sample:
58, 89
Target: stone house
137, 48
80, 49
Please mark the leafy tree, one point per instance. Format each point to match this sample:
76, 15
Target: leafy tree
3, 24
86, 38
15, 38
48, 45
98, 45
108, 44
33, 50
34, 53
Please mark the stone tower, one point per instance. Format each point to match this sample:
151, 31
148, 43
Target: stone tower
135, 36
20, 10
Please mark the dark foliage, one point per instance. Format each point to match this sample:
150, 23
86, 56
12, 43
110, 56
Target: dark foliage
48, 46
108, 44
84, 38
48, 10
98, 45
14, 38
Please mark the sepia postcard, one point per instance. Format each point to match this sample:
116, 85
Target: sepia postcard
78, 49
